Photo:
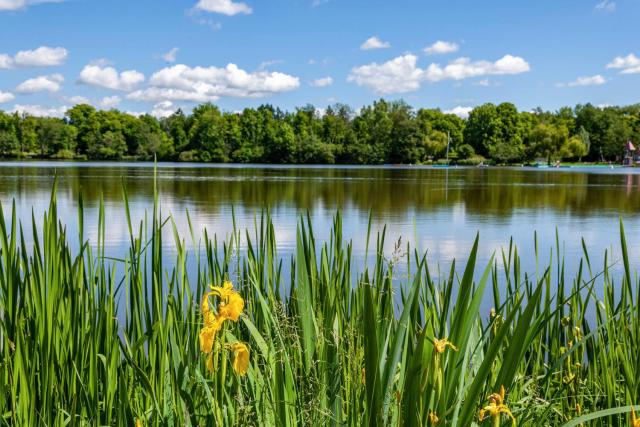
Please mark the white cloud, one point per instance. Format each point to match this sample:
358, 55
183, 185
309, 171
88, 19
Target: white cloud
401, 74
39, 110
21, 4
75, 100
136, 113
51, 83
460, 111
171, 55
629, 64
108, 77
322, 82
483, 82
43, 56
585, 81
441, 47
214, 25
464, 68
374, 43
225, 7
398, 75
163, 109
266, 64
6, 97
201, 84
605, 6
109, 102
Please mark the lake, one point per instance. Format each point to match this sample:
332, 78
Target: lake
435, 209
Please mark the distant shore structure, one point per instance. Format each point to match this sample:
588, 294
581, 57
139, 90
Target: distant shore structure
631, 155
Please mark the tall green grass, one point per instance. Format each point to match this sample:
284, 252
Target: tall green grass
92, 340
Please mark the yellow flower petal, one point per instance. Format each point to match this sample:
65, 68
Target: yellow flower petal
240, 358
635, 422
207, 335
441, 345
232, 307
209, 363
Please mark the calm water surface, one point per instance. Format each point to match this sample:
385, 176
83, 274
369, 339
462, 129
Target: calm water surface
435, 209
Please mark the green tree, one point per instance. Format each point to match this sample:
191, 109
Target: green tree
85, 119
9, 143
57, 139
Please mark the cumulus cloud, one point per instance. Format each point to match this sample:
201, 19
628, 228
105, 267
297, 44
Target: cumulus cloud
171, 55
39, 110
266, 64
78, 99
585, 81
398, 75
441, 47
108, 77
460, 111
401, 74
6, 97
43, 56
201, 84
605, 6
374, 43
51, 83
163, 109
21, 4
109, 102
224, 7
322, 82
464, 68
629, 64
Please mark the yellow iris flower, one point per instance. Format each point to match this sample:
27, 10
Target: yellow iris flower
241, 358
209, 363
208, 335
441, 345
635, 422
231, 303
231, 307
496, 407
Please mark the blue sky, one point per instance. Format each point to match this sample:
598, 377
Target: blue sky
153, 56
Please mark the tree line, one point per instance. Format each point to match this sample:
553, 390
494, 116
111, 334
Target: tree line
386, 132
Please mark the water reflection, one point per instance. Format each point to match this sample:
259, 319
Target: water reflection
435, 209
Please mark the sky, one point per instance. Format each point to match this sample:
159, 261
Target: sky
154, 56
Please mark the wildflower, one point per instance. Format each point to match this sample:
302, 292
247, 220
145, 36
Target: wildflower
635, 422
212, 324
209, 363
441, 345
232, 307
231, 303
496, 407
241, 358
138, 422
433, 418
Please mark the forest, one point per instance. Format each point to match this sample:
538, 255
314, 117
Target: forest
386, 132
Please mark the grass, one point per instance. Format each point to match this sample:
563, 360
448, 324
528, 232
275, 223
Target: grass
91, 340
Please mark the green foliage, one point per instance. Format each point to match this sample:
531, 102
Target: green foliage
382, 133
86, 339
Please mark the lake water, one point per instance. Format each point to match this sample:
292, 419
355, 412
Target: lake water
435, 209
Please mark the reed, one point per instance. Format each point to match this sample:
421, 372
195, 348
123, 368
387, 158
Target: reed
91, 340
